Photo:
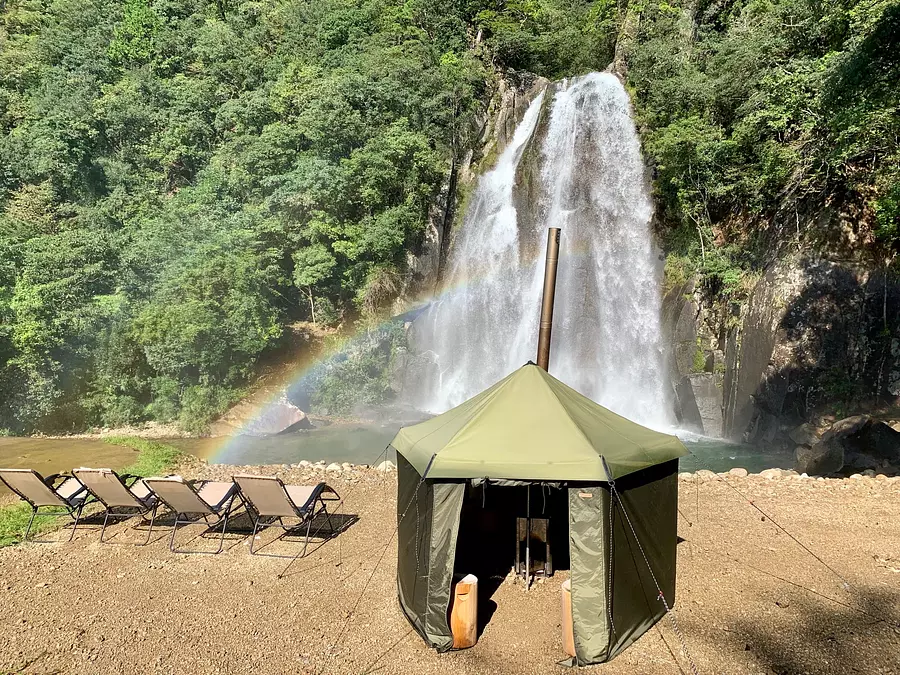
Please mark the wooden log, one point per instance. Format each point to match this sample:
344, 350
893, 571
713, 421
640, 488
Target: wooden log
464, 612
568, 631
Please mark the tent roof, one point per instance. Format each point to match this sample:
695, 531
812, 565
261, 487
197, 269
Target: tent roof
531, 426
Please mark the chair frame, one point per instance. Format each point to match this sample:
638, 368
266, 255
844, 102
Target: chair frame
135, 510
67, 504
306, 517
224, 511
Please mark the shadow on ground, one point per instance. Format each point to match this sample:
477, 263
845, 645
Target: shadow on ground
818, 635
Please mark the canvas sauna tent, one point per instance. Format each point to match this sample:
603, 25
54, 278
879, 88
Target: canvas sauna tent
457, 472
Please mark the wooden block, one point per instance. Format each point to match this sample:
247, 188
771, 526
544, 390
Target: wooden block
568, 631
464, 612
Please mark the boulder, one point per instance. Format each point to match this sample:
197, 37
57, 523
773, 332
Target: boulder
277, 418
386, 466
876, 439
822, 458
845, 427
805, 434
739, 472
771, 474
700, 396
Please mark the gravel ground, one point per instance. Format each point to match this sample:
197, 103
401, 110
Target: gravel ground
750, 600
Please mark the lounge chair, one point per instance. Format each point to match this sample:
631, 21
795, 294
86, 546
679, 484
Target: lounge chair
269, 500
121, 495
192, 502
57, 491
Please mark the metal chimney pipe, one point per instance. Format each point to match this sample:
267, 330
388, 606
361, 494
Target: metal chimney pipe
543, 355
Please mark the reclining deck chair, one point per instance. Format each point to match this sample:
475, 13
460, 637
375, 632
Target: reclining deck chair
202, 500
269, 500
115, 493
59, 490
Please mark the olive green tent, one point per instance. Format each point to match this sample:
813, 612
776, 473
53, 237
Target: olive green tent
531, 429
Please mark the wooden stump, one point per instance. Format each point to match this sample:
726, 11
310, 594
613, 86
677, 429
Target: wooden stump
568, 632
464, 612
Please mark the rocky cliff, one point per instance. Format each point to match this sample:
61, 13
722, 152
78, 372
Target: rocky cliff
817, 337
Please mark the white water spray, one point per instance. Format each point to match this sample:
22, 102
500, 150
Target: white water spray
588, 179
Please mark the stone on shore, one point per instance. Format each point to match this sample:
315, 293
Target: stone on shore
739, 472
386, 466
771, 474
334, 467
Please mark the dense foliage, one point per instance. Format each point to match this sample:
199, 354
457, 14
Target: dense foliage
772, 124
181, 179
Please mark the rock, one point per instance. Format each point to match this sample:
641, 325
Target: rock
845, 427
739, 472
856, 476
869, 473
685, 475
706, 474
386, 466
875, 439
334, 467
805, 434
700, 398
280, 417
347, 466
771, 474
823, 457
305, 463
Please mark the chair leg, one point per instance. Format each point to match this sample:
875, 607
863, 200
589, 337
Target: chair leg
306, 543
222, 537
253, 536
152, 519
172, 538
30, 522
77, 518
105, 521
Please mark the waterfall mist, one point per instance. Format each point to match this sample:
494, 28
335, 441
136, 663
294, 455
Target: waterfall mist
574, 164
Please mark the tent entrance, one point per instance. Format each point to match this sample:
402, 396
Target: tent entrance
486, 543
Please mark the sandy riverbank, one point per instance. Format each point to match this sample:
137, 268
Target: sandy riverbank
90, 608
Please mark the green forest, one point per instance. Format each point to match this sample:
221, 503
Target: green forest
181, 180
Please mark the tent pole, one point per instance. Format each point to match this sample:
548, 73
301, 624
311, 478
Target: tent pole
543, 355
528, 538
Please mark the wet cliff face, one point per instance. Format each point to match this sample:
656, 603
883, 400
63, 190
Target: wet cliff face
816, 337
495, 129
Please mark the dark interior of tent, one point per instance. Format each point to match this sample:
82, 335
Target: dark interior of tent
488, 533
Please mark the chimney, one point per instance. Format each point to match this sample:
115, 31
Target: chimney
543, 355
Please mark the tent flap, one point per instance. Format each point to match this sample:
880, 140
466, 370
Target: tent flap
588, 560
428, 524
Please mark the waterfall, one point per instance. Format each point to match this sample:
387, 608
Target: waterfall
579, 169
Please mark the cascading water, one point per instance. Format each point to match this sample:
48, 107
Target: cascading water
587, 177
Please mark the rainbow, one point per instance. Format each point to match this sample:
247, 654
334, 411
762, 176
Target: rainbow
305, 372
